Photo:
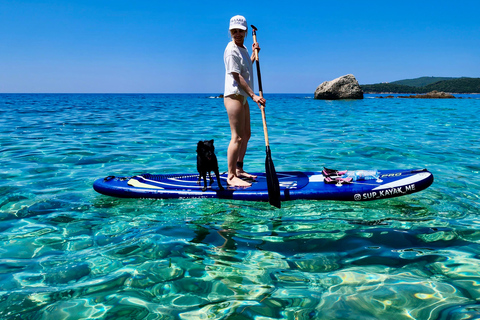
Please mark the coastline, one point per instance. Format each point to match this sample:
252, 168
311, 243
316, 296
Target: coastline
391, 95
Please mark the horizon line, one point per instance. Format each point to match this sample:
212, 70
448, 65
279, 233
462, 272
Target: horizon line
207, 93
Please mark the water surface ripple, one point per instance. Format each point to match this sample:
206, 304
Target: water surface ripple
67, 252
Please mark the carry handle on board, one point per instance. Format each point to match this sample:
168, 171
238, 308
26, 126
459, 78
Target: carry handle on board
272, 180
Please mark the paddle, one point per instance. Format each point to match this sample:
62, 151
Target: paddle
272, 180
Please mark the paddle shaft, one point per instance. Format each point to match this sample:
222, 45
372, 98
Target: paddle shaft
260, 91
271, 174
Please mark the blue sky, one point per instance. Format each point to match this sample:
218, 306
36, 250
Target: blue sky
118, 46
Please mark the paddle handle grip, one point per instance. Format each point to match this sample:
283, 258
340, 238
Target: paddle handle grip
254, 34
257, 62
260, 90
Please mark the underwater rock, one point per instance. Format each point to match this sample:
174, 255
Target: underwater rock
67, 273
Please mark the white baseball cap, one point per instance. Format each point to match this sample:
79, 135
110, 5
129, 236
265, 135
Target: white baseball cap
238, 22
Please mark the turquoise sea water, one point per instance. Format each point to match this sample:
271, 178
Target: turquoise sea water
67, 252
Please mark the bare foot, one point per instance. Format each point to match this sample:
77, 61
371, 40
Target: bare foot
242, 174
237, 182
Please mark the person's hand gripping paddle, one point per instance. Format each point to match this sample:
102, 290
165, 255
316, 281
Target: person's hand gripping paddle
272, 180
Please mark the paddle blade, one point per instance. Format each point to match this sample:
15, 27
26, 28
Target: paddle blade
272, 181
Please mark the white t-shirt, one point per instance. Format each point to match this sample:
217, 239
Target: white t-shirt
237, 59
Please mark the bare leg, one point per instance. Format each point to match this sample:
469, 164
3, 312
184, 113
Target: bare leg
236, 116
247, 132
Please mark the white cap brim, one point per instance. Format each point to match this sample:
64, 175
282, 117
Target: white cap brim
237, 26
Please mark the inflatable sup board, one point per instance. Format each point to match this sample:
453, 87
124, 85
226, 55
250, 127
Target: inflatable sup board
359, 185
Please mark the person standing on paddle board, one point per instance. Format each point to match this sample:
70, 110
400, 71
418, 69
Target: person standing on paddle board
238, 87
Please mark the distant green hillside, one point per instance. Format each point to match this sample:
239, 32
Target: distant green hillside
422, 81
451, 85
389, 88
459, 85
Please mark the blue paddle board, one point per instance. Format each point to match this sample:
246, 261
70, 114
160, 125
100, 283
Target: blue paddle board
293, 185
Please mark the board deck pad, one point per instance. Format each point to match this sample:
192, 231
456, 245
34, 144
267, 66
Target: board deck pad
293, 185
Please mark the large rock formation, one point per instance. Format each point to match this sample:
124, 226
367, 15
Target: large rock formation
345, 87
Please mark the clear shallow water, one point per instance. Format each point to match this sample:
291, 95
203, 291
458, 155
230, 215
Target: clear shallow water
67, 252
